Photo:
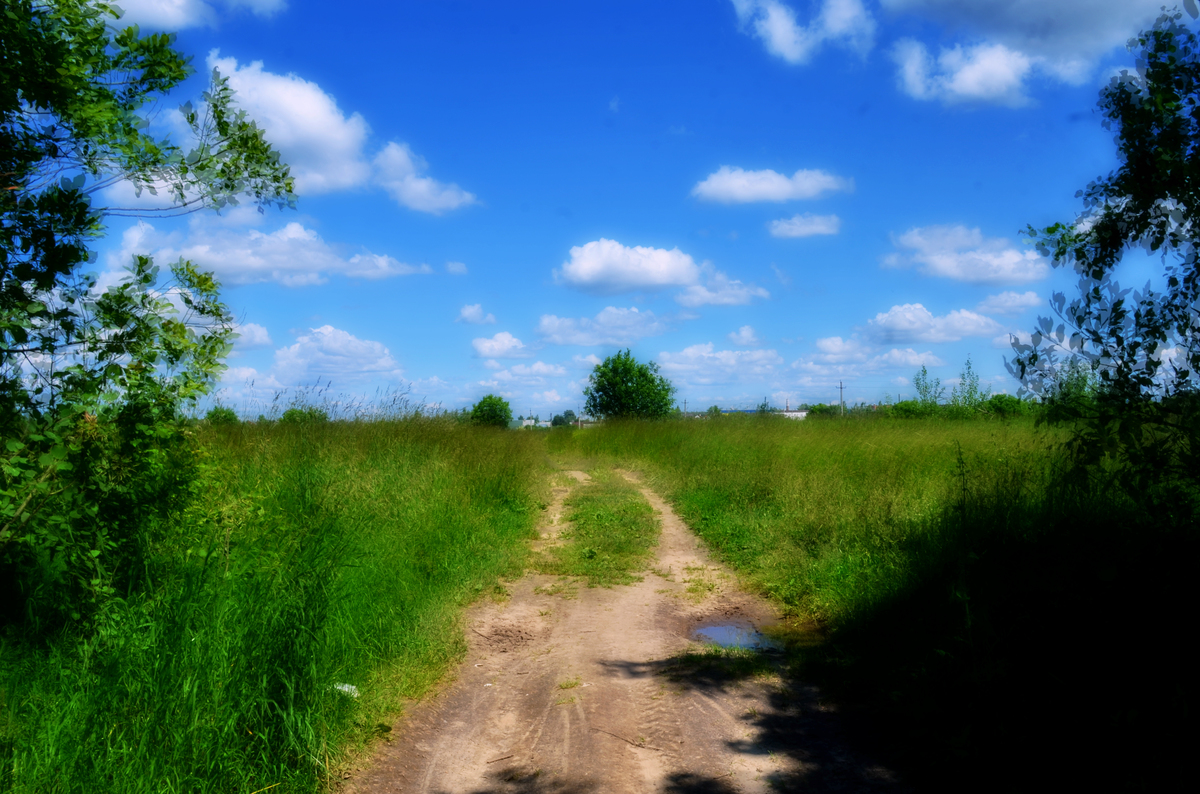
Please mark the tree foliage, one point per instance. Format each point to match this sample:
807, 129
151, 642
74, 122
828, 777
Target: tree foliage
491, 410
91, 384
1142, 345
621, 387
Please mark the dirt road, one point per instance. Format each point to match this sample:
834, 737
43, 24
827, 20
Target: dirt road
571, 689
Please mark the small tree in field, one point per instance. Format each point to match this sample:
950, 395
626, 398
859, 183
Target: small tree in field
621, 387
94, 385
491, 411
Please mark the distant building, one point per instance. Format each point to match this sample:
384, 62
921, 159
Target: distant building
794, 414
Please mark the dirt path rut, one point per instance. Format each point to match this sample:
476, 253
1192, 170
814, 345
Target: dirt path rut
583, 690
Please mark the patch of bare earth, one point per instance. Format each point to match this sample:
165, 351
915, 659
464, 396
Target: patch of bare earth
571, 689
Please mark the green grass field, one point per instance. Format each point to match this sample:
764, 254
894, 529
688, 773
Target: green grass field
318, 561
992, 620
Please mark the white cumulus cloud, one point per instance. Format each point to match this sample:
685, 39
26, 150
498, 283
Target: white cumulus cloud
720, 290
1007, 42
843, 22
456, 268
989, 73
731, 185
528, 374
606, 266
251, 335
907, 358
502, 345
325, 148
854, 358
293, 255
805, 225
473, 313
703, 363
399, 172
963, 254
328, 353
836, 350
912, 322
612, 326
744, 336
1062, 30
314, 136
1009, 303
155, 15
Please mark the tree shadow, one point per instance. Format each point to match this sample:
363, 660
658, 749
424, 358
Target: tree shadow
521, 780
832, 748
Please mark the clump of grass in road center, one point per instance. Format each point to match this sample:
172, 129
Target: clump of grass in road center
612, 533
571, 684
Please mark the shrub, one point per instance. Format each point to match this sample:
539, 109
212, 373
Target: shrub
1006, 405
303, 415
221, 415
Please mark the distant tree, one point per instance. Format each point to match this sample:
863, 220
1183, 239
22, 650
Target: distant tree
492, 411
303, 415
221, 415
558, 421
570, 416
620, 387
713, 411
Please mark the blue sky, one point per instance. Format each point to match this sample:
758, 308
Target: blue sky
766, 197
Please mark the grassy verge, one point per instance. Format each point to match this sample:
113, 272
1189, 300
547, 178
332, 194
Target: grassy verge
1006, 630
313, 584
612, 533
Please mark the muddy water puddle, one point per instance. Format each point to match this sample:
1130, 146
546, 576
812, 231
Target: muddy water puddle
734, 634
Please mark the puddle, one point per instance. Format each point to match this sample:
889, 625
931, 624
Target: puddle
734, 634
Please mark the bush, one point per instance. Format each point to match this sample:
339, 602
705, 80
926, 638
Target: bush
491, 410
910, 409
1006, 405
303, 415
221, 415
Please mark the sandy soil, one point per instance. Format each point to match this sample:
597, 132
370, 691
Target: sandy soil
571, 689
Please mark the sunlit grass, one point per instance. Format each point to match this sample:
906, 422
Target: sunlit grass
314, 585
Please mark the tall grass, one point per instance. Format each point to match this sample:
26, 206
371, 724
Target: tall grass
1008, 628
828, 517
313, 584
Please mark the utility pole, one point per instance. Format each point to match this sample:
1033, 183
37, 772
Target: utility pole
685, 407
842, 397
